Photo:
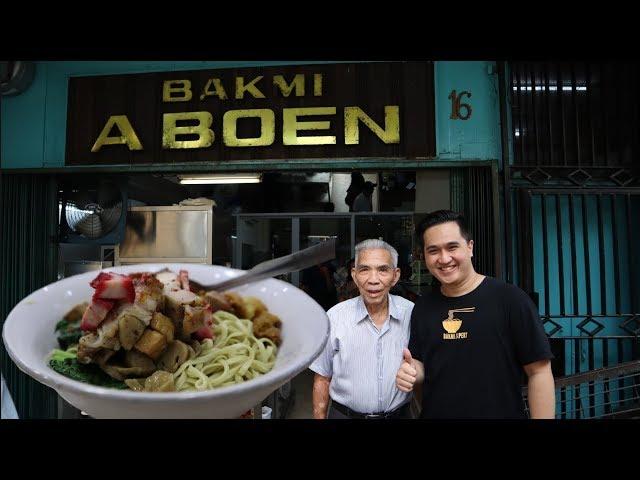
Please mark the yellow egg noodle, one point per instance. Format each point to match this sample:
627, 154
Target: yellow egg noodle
235, 355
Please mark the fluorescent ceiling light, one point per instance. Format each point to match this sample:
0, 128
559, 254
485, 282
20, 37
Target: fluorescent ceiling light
222, 178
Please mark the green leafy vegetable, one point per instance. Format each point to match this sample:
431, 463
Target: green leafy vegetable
69, 333
66, 363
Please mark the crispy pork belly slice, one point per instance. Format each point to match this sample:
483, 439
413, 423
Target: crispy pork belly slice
166, 276
109, 328
149, 292
95, 313
174, 302
184, 280
113, 286
206, 331
135, 310
169, 280
217, 301
195, 318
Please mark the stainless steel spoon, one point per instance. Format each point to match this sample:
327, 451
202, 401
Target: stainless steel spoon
300, 260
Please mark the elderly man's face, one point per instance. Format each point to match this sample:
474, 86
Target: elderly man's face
375, 275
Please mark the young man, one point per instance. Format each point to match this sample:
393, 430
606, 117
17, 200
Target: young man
368, 334
472, 340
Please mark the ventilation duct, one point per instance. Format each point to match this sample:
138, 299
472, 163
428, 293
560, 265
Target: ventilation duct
15, 77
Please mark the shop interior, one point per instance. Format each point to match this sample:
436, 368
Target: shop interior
241, 219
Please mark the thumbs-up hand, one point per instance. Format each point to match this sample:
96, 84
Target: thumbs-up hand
406, 356
407, 374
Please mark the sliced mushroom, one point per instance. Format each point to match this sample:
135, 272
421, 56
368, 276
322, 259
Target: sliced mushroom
174, 355
160, 381
135, 384
130, 329
86, 348
103, 356
92, 344
120, 373
133, 358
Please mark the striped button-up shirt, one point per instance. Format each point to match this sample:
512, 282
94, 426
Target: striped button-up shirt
363, 360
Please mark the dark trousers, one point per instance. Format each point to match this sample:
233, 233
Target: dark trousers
403, 412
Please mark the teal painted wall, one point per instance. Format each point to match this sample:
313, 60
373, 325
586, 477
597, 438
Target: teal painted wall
34, 122
479, 136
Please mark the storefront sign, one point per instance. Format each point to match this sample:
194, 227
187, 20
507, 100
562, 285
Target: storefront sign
363, 110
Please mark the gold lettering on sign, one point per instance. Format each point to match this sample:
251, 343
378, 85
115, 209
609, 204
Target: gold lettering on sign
218, 89
249, 87
317, 84
127, 134
202, 130
267, 127
390, 134
176, 91
291, 125
297, 82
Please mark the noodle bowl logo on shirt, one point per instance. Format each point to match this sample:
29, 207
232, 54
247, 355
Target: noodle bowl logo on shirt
452, 325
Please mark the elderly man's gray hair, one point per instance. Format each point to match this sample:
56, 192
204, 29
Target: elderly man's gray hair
375, 243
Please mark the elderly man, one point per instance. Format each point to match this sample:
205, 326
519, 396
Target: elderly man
358, 365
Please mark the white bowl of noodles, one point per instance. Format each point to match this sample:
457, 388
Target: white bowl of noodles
29, 338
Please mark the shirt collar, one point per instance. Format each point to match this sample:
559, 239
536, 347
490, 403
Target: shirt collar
362, 313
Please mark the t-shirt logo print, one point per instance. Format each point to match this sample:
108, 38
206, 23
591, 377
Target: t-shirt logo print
452, 325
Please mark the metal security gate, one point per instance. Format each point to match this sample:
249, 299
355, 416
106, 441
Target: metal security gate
579, 262
571, 177
28, 261
474, 193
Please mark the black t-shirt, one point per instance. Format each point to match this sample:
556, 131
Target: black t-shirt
473, 358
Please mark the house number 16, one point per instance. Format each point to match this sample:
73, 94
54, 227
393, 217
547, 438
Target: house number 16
457, 106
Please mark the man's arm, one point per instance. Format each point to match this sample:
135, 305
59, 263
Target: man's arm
320, 396
541, 389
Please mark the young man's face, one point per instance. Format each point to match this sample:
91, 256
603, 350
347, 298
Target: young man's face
374, 275
447, 254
